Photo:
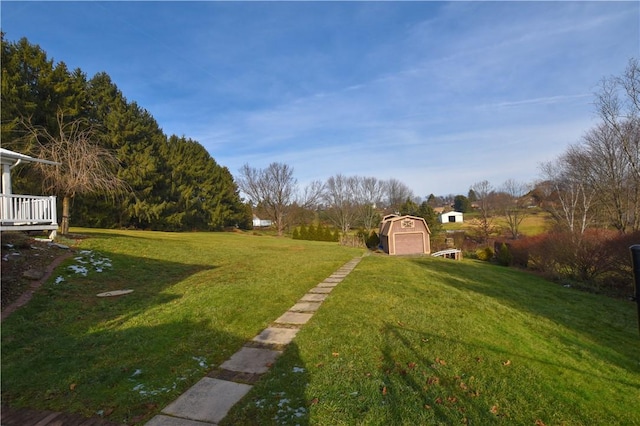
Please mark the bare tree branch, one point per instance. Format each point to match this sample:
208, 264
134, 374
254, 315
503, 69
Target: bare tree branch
85, 167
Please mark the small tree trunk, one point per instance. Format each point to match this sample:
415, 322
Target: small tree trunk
64, 226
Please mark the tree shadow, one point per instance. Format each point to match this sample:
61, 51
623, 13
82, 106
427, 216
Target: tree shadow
279, 397
422, 380
457, 389
122, 357
125, 375
71, 293
562, 306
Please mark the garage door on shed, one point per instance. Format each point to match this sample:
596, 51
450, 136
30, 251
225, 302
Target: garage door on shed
409, 243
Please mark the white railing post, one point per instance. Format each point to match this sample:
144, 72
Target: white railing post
53, 209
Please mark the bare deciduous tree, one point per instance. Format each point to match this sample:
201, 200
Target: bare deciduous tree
618, 104
85, 167
341, 201
513, 205
273, 188
370, 194
609, 172
569, 197
483, 191
397, 193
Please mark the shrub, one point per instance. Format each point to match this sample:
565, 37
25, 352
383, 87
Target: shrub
373, 241
326, 234
503, 255
312, 233
485, 254
315, 233
304, 233
598, 259
519, 252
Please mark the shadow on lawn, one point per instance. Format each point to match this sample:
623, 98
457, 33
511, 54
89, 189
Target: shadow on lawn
279, 397
126, 375
598, 318
125, 356
455, 389
436, 389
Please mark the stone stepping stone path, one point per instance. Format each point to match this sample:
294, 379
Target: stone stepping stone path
208, 401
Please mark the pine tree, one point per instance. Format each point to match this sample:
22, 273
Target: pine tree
304, 233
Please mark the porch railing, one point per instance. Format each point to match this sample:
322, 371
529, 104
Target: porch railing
27, 210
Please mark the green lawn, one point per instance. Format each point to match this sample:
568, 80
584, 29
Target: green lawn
198, 297
400, 341
408, 341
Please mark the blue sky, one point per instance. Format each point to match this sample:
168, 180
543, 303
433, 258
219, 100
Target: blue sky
439, 95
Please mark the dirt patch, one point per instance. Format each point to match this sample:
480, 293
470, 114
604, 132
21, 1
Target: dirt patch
26, 264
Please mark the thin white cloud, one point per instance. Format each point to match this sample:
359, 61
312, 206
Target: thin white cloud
547, 100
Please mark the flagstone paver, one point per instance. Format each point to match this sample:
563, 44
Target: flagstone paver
298, 318
321, 290
327, 284
305, 307
276, 335
175, 421
311, 297
209, 400
251, 360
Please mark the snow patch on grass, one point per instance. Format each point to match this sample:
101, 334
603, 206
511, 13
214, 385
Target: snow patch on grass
202, 361
89, 261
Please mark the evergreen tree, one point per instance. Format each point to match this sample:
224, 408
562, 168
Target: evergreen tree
304, 233
326, 234
430, 216
409, 207
312, 233
461, 204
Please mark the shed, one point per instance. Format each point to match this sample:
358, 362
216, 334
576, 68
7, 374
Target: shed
451, 217
404, 235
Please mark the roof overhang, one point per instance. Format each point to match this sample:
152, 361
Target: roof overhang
13, 158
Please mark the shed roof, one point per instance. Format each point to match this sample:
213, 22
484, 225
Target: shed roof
385, 225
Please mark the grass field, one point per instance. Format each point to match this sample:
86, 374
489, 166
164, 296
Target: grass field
198, 297
409, 340
413, 341
535, 222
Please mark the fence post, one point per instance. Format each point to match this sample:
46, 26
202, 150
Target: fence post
635, 260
